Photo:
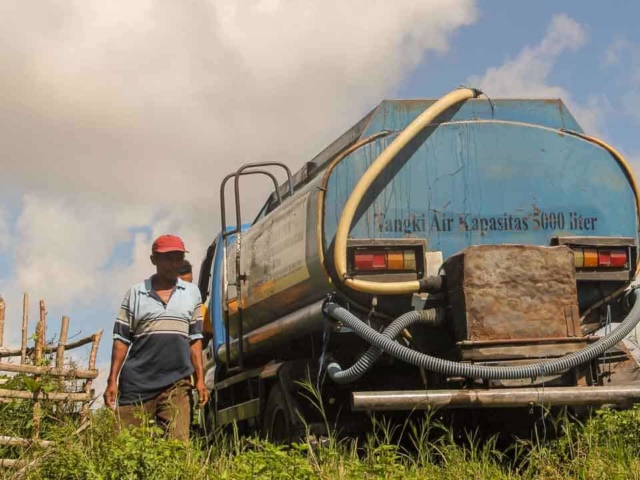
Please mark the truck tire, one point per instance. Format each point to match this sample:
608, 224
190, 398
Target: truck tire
276, 424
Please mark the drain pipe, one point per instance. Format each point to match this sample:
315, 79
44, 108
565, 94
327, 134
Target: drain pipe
467, 370
433, 318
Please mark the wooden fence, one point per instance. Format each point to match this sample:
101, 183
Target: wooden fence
73, 385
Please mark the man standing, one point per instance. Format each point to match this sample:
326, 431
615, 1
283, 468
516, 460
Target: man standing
186, 272
159, 326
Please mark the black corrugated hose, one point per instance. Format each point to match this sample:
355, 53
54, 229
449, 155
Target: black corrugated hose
456, 369
432, 317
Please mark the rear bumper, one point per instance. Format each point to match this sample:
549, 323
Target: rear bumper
621, 395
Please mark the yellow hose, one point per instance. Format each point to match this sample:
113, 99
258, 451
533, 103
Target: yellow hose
634, 186
385, 158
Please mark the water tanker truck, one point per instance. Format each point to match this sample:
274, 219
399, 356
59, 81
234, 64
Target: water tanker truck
464, 253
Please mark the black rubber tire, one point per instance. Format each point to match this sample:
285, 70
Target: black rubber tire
277, 426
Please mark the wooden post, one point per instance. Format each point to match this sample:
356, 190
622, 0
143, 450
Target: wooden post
94, 350
62, 343
92, 365
1, 322
25, 321
69, 372
41, 334
51, 396
15, 352
22, 442
41, 330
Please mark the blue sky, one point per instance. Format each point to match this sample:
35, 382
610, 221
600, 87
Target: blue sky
606, 66
119, 123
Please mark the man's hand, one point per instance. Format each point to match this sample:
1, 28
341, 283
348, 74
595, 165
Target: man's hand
195, 351
118, 354
110, 395
203, 393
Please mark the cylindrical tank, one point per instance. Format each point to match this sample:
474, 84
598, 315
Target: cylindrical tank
500, 173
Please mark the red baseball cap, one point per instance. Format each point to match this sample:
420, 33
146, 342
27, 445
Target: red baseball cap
168, 243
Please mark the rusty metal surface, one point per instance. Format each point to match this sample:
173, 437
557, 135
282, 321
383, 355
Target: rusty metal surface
513, 292
241, 411
503, 398
290, 327
515, 352
621, 369
517, 341
270, 370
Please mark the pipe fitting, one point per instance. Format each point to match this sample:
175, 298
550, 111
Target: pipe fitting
433, 284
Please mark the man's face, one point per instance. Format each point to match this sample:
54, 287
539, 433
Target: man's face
168, 264
187, 277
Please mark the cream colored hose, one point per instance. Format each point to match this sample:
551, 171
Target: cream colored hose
360, 190
634, 186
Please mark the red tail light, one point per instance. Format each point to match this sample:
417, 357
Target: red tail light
367, 260
612, 258
601, 257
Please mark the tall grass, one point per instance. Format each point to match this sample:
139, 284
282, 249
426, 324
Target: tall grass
605, 446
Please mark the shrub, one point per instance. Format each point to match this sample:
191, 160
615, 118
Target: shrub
606, 446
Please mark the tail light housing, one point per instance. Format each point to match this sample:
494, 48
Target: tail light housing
384, 257
602, 258
392, 260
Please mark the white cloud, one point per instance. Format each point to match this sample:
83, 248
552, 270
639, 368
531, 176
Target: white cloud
132, 102
623, 53
615, 50
527, 74
64, 246
117, 117
5, 230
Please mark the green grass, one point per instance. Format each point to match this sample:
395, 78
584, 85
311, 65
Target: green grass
606, 446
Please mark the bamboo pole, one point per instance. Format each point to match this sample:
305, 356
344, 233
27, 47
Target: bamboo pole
8, 463
1, 322
21, 473
52, 396
52, 371
43, 318
25, 321
41, 330
81, 342
23, 442
62, 342
92, 366
40, 335
26, 466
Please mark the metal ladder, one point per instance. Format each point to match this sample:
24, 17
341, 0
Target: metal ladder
247, 169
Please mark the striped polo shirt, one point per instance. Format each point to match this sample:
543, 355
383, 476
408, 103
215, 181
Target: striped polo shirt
159, 338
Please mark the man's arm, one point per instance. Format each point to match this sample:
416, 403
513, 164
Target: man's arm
122, 337
196, 359
195, 349
118, 354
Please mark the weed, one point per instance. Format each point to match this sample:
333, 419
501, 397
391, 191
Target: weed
605, 446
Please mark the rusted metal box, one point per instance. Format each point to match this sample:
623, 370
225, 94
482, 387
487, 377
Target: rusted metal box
513, 292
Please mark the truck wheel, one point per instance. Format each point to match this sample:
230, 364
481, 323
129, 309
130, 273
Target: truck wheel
276, 425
